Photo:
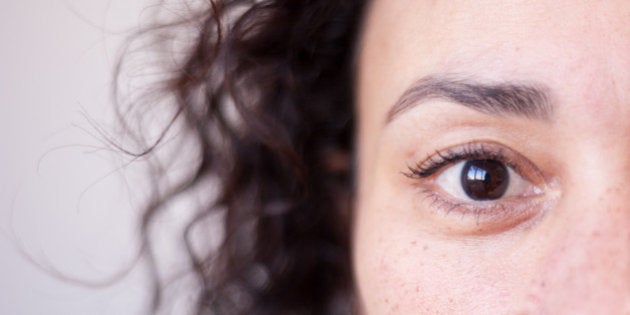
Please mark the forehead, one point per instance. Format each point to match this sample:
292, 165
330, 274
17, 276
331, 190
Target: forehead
477, 29
581, 49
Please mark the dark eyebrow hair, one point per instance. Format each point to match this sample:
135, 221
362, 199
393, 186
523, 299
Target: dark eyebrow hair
508, 98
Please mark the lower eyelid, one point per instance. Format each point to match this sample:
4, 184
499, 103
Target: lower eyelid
488, 217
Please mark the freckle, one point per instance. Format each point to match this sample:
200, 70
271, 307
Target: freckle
414, 243
615, 189
425, 247
543, 284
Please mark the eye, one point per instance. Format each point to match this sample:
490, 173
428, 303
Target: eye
491, 187
478, 175
482, 180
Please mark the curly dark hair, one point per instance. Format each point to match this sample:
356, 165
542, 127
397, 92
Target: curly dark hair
266, 92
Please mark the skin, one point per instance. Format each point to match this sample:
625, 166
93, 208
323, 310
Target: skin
565, 250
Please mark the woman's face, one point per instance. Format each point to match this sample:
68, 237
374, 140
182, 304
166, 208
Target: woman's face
494, 157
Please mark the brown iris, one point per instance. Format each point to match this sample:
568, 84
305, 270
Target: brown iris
485, 179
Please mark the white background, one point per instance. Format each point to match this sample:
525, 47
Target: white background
66, 205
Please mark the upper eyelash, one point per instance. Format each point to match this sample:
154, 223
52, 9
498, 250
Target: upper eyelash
440, 159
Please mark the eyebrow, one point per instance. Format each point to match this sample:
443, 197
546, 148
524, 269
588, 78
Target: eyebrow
526, 100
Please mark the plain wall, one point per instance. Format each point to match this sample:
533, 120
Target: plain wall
67, 206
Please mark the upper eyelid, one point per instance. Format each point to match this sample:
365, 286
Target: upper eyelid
521, 164
441, 158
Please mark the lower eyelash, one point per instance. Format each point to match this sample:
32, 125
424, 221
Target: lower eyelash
488, 217
465, 209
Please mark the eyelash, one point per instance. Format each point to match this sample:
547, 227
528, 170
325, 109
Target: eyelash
440, 159
497, 209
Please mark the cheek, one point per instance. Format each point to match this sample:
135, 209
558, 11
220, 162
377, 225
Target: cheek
400, 270
395, 275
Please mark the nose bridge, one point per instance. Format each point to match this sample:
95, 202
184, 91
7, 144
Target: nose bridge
590, 258
600, 208
597, 190
600, 188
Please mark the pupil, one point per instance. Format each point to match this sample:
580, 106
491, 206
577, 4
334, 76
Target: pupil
485, 179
